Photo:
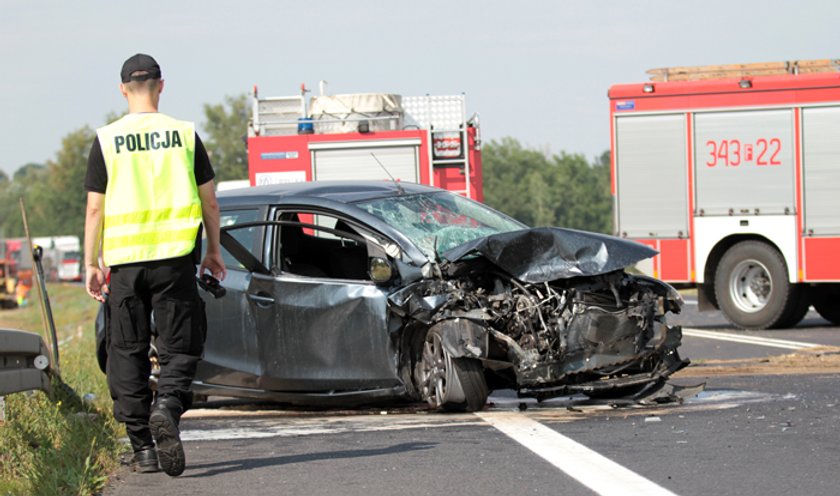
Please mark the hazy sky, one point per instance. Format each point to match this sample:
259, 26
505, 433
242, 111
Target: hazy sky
534, 70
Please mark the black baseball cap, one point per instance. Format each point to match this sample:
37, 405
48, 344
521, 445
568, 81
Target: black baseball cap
142, 63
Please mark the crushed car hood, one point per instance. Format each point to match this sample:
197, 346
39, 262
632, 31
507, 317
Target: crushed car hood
549, 253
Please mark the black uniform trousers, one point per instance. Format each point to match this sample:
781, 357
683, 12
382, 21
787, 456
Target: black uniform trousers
167, 289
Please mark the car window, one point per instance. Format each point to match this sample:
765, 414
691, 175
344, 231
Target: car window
305, 249
245, 236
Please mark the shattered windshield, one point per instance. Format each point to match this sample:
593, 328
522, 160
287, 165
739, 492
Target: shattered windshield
440, 220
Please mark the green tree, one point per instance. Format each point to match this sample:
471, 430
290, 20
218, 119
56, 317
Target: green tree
5, 205
53, 193
582, 194
24, 181
61, 200
227, 127
29, 173
515, 181
561, 190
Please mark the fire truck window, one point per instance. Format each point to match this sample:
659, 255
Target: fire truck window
305, 249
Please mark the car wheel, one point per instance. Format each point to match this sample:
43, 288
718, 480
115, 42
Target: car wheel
447, 383
826, 300
752, 288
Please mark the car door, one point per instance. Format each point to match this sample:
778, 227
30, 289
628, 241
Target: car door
231, 351
322, 324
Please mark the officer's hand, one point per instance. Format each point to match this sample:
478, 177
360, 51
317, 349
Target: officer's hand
95, 283
214, 264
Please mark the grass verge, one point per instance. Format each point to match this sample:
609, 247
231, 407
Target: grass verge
57, 445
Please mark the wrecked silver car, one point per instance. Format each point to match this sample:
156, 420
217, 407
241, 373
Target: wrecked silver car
369, 292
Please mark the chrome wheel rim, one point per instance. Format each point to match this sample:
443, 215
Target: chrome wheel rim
750, 285
434, 366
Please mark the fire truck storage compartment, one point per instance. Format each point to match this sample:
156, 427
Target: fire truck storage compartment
652, 152
821, 170
355, 160
734, 151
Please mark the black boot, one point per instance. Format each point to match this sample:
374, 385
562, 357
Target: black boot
163, 422
145, 460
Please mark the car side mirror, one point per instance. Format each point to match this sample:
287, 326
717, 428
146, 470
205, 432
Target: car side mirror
380, 270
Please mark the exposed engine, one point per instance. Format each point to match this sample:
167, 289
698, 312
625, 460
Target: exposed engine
561, 335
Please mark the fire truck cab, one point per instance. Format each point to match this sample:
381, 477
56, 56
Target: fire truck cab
422, 139
733, 174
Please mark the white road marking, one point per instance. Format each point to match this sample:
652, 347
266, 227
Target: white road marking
588, 467
755, 340
293, 427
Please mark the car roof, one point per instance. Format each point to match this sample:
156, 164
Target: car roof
338, 191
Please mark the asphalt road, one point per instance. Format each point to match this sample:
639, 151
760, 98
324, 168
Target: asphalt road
756, 434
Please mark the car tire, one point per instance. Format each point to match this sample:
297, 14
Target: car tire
826, 300
752, 288
447, 383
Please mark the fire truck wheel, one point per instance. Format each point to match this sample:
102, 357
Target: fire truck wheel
826, 300
797, 312
752, 288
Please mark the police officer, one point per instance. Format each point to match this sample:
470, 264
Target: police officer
150, 186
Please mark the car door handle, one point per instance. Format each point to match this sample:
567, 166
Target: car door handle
261, 299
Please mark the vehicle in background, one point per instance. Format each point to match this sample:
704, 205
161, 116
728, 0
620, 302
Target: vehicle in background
8, 278
70, 267
731, 173
17, 272
61, 257
370, 136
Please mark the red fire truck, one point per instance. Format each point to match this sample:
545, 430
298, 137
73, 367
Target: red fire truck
733, 174
425, 139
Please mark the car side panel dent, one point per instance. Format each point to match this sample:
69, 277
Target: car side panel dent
305, 347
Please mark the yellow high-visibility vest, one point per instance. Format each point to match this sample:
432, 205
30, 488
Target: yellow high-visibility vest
152, 208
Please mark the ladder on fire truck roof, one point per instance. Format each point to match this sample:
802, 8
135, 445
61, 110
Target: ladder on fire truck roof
279, 115
697, 73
